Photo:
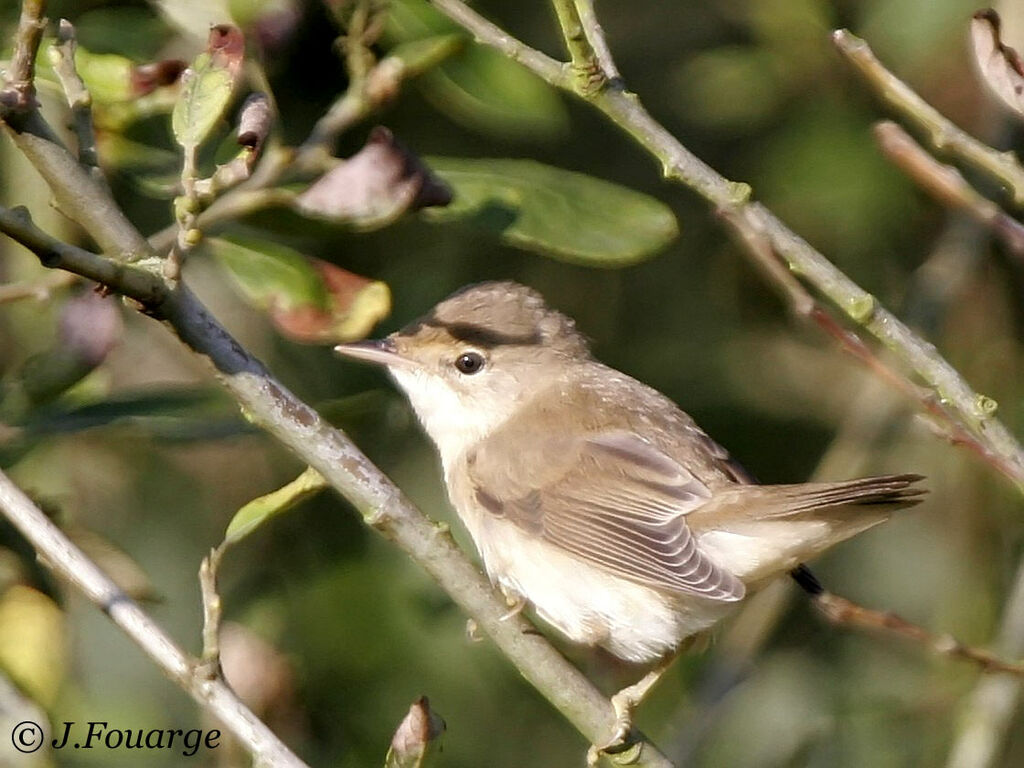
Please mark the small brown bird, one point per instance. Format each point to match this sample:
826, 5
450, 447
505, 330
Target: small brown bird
593, 497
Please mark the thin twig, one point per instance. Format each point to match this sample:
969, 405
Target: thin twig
490, 34
1004, 167
947, 185
212, 612
845, 612
587, 73
39, 289
973, 411
19, 93
595, 36
364, 96
803, 307
68, 561
62, 56
988, 712
314, 155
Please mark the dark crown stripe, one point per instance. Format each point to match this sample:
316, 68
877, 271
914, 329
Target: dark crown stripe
485, 338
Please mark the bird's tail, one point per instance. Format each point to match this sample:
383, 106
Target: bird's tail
758, 531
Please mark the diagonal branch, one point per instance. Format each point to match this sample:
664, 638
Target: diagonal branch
1004, 167
973, 411
71, 563
947, 185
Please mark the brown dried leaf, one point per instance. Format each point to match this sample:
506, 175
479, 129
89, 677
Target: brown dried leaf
146, 78
1001, 67
375, 186
415, 737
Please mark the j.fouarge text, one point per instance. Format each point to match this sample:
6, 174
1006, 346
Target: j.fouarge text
97, 734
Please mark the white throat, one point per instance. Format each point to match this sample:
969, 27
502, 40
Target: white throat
453, 421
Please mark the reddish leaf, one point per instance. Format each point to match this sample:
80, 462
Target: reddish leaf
226, 46
309, 300
356, 305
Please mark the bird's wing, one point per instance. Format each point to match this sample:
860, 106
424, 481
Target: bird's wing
610, 498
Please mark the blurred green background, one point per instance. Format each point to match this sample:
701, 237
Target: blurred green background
344, 630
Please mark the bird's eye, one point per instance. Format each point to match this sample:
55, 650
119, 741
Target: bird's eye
469, 363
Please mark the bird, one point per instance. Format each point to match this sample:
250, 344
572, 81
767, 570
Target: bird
592, 497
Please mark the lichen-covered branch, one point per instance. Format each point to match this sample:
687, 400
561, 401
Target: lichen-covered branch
973, 411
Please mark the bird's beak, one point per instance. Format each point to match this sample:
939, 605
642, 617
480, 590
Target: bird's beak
378, 352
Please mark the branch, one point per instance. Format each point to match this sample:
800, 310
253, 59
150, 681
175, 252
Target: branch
595, 36
988, 712
1004, 167
587, 74
973, 411
68, 561
483, 31
132, 281
847, 613
39, 290
19, 94
77, 194
803, 307
315, 154
947, 185
62, 56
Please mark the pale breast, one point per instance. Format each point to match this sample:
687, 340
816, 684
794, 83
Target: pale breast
585, 603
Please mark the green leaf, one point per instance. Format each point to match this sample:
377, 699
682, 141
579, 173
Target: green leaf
107, 75
259, 510
558, 213
207, 86
480, 87
270, 275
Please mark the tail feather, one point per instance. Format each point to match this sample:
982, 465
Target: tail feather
758, 532
893, 491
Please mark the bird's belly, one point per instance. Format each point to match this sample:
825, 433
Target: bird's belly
588, 604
